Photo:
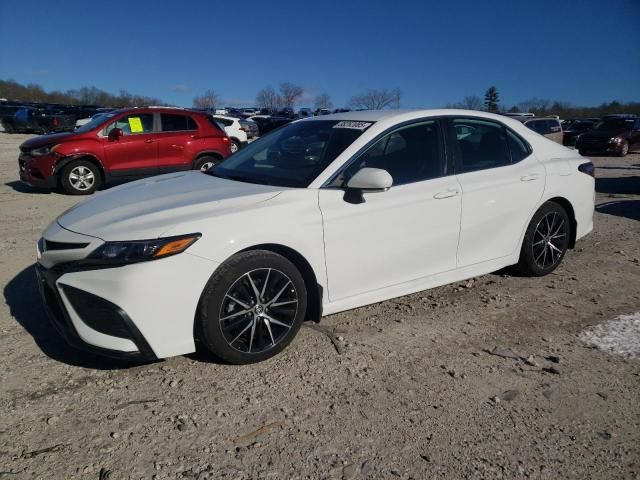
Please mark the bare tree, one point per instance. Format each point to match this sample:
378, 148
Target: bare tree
472, 102
376, 99
290, 94
207, 101
323, 101
536, 105
268, 98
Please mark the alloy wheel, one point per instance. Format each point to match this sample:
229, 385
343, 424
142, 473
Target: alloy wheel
258, 310
234, 147
81, 178
549, 240
206, 166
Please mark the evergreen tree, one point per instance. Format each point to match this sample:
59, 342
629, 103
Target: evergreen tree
491, 100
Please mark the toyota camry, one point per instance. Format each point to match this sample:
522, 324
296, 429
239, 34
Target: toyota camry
320, 216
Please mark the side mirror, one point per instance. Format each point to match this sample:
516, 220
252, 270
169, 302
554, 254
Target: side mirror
367, 180
115, 134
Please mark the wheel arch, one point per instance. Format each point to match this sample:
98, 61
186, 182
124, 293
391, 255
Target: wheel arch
566, 204
314, 289
207, 153
63, 162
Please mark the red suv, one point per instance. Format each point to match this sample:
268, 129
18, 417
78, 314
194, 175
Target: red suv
123, 144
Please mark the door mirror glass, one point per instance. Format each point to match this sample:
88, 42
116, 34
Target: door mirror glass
115, 134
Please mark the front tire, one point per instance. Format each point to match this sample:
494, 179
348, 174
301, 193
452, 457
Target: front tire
624, 149
545, 241
81, 177
252, 307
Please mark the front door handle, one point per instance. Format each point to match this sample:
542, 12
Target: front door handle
529, 178
148, 141
446, 194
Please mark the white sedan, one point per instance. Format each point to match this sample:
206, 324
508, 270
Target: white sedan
323, 215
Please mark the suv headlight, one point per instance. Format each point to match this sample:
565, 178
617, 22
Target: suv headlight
46, 150
122, 253
616, 140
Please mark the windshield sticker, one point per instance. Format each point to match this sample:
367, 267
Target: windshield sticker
135, 125
353, 125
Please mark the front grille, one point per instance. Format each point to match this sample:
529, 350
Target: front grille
49, 245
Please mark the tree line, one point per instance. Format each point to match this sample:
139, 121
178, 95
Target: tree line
542, 106
12, 90
288, 95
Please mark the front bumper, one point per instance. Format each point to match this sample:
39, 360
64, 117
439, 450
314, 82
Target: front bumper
110, 319
37, 172
589, 147
141, 311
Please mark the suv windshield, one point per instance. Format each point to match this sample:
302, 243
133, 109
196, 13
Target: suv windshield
95, 121
615, 124
291, 156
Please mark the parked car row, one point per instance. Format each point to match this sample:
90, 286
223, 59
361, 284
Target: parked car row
34, 117
612, 134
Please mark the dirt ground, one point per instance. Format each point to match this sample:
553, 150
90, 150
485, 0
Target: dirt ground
403, 389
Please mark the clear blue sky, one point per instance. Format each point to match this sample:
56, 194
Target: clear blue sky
436, 52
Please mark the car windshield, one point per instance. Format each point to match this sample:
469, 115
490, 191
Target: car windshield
614, 124
95, 121
291, 156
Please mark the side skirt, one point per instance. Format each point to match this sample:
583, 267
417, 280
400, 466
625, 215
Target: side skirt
418, 285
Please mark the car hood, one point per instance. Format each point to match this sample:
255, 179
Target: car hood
147, 208
42, 140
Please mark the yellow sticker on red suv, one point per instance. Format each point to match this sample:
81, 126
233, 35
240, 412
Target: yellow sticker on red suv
135, 124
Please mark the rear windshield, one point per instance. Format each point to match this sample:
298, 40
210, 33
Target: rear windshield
291, 156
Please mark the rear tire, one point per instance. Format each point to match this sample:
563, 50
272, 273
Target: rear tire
252, 307
205, 162
81, 177
235, 145
545, 241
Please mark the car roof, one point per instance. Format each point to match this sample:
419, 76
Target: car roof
401, 115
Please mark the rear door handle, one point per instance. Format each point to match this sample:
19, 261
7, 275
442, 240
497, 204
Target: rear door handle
446, 194
529, 178
148, 141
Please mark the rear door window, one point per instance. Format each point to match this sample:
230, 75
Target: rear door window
176, 123
485, 147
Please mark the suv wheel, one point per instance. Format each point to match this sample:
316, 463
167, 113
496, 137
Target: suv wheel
235, 145
205, 162
80, 177
252, 307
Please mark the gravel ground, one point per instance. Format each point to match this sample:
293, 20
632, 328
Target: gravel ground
483, 379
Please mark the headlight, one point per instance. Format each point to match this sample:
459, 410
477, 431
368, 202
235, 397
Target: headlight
46, 150
121, 253
616, 140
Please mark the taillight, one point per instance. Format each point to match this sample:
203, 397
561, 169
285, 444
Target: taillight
588, 168
242, 128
